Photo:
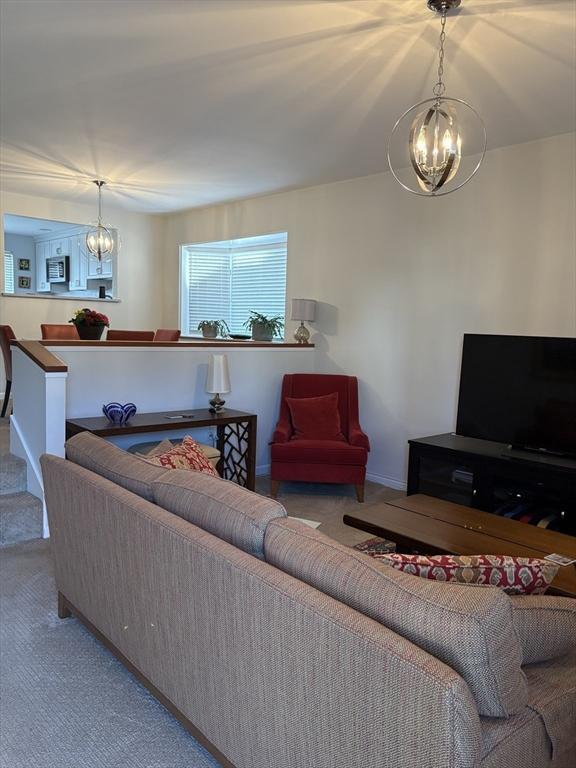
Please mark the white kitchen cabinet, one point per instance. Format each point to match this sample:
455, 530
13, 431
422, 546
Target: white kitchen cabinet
60, 247
99, 268
78, 264
42, 255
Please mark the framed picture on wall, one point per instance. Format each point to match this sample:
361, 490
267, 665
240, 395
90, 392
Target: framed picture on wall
24, 265
23, 282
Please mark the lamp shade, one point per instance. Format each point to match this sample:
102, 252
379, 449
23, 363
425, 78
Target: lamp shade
218, 379
303, 309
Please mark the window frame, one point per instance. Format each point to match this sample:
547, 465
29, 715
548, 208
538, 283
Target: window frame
183, 275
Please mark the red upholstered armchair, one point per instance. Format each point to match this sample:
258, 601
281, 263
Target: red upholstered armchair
320, 460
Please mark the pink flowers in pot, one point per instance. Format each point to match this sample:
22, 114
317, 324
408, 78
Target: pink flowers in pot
89, 317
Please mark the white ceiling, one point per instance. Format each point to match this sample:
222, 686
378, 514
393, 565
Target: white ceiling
24, 225
181, 103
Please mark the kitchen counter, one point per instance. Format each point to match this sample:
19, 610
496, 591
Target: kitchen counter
71, 297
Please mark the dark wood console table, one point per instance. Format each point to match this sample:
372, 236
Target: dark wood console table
235, 435
433, 526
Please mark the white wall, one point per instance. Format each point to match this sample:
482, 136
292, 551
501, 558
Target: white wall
169, 378
22, 247
139, 270
155, 380
401, 278
37, 424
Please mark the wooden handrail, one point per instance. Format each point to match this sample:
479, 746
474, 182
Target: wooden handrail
43, 358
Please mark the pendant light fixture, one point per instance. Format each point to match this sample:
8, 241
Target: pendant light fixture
438, 144
99, 239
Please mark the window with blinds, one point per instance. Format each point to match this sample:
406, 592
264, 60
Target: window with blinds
226, 280
8, 272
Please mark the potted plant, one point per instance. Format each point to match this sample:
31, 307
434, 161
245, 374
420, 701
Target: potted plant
264, 328
89, 323
213, 328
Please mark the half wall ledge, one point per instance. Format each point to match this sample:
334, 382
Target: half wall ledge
200, 343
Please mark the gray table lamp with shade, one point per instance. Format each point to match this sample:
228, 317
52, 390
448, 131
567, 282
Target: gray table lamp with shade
303, 309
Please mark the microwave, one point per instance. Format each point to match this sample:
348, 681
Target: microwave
58, 269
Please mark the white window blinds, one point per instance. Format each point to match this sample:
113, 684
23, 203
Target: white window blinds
8, 272
206, 294
227, 280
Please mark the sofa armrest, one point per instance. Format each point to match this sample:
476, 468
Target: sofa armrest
545, 625
357, 437
282, 433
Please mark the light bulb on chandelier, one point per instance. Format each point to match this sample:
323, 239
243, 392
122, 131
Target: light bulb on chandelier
426, 148
100, 239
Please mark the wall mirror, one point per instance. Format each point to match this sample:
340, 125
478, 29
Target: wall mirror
50, 259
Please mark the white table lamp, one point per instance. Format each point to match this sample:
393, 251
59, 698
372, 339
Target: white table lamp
217, 381
303, 309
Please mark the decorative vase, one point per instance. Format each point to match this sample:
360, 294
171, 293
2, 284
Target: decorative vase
119, 414
261, 332
90, 332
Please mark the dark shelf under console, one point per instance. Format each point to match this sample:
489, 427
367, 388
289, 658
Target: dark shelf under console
532, 488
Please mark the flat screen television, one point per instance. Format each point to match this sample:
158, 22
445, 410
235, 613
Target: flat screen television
519, 390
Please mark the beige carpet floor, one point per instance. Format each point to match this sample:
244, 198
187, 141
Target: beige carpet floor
4, 435
327, 504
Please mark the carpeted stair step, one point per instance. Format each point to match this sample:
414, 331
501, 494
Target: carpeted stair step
12, 474
20, 517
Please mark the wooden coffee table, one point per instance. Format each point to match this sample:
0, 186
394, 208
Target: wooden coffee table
434, 526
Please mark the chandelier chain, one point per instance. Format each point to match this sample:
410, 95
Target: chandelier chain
439, 88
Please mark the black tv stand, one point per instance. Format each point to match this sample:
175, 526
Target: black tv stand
520, 453
534, 487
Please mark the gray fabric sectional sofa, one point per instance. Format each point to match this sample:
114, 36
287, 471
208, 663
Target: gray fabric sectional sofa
279, 648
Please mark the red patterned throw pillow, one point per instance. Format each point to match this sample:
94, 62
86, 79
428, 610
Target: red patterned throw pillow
187, 455
514, 575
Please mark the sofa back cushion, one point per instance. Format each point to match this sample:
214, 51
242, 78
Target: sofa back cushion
109, 461
545, 625
470, 628
223, 508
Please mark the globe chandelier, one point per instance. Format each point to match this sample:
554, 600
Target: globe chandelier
99, 239
437, 145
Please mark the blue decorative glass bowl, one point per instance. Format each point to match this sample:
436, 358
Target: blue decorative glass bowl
119, 414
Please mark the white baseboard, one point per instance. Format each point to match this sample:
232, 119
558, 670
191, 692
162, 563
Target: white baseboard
391, 482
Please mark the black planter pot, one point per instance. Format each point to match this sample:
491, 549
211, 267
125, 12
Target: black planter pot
90, 332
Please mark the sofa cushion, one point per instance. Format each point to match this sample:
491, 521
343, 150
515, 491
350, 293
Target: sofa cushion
315, 418
319, 452
545, 625
515, 575
223, 508
543, 734
469, 628
109, 461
